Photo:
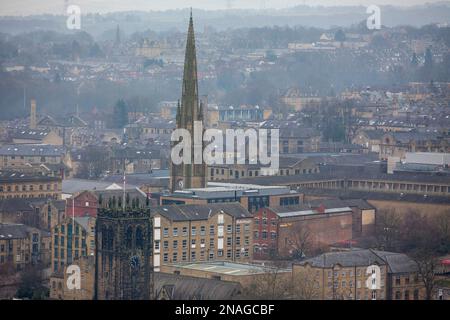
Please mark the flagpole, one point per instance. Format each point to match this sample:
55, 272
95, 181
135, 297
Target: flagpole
124, 185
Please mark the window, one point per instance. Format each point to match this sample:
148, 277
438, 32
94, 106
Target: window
175, 232
166, 245
175, 244
211, 255
211, 229
184, 231
194, 231
228, 241
397, 281
229, 228
202, 230
273, 235
255, 235
238, 241
228, 253
247, 241
264, 235
184, 244
397, 295
416, 294
238, 254
238, 228
183, 256
211, 242
166, 257
193, 255
407, 295
175, 257
219, 253
407, 280
166, 232
156, 244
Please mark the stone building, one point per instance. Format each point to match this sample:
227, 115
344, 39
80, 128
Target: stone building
21, 245
209, 232
361, 275
14, 184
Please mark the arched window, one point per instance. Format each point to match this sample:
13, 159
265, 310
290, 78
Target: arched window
110, 238
129, 237
104, 238
139, 238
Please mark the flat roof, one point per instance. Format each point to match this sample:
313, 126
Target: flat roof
227, 268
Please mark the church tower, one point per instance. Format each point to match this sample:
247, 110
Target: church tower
189, 175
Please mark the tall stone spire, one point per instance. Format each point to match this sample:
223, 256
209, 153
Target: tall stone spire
191, 175
189, 95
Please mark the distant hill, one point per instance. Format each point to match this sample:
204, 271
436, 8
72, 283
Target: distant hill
321, 17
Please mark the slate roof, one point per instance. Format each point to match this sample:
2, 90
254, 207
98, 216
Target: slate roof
7, 176
396, 262
13, 231
200, 211
344, 258
46, 150
181, 287
30, 134
374, 134
342, 172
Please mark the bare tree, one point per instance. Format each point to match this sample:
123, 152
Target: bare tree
427, 264
273, 284
304, 286
300, 241
387, 229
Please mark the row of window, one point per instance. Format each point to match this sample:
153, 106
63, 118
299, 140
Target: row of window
175, 243
202, 230
238, 254
264, 235
30, 187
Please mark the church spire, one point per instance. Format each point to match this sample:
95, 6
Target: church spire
189, 96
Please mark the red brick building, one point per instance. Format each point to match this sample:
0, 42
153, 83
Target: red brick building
287, 231
82, 205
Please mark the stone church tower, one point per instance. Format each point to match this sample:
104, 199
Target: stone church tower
123, 257
192, 175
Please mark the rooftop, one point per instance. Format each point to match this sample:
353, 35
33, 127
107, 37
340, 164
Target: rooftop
227, 268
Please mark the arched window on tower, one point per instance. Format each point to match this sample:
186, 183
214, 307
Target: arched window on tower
139, 238
129, 237
110, 238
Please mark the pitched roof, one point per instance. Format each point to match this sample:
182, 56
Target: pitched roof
201, 211
13, 231
181, 287
345, 258
46, 150
396, 262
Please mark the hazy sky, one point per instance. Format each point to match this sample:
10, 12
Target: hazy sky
28, 7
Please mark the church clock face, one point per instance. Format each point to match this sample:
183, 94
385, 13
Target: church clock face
134, 262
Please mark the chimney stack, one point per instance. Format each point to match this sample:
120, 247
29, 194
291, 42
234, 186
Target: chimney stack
33, 114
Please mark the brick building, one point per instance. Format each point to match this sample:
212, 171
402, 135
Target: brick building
288, 231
